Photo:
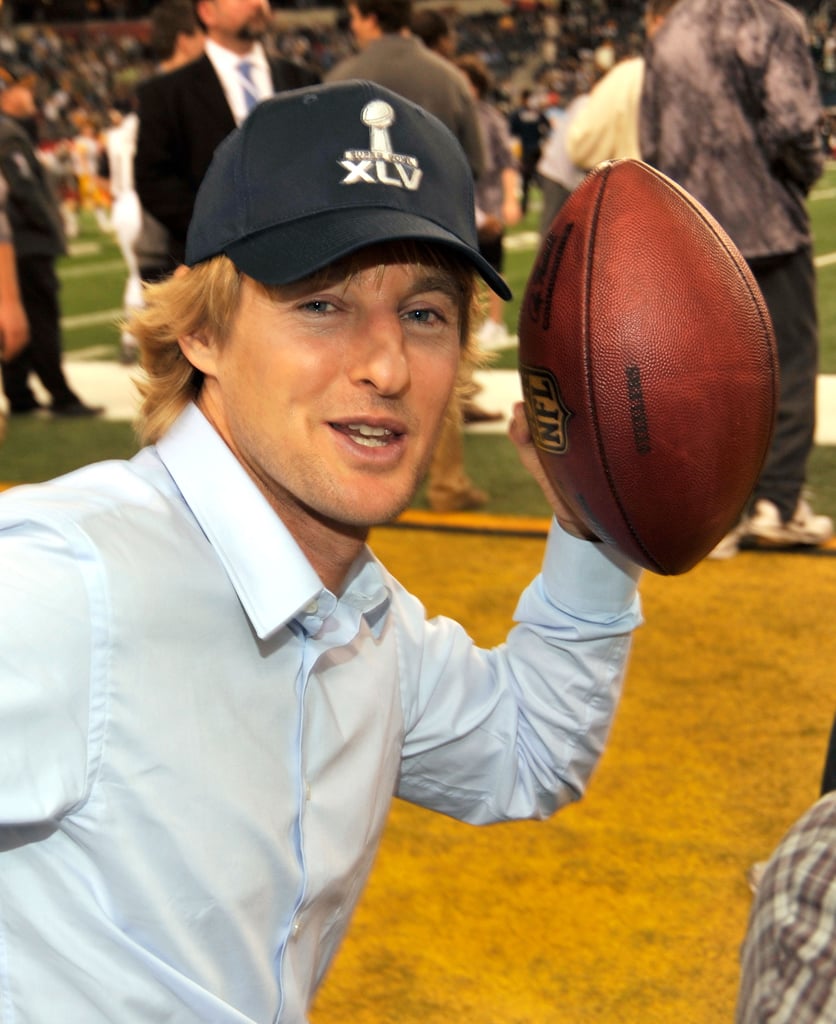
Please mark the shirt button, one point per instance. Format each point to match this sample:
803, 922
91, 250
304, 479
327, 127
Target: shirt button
307, 790
297, 924
312, 607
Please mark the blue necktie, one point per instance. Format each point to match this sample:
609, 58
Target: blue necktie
251, 98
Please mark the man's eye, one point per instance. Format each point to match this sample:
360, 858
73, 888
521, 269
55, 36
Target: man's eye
317, 306
422, 316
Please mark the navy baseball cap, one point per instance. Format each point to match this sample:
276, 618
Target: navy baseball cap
315, 174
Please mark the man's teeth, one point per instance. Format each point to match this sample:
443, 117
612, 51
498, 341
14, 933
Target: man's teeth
372, 437
369, 431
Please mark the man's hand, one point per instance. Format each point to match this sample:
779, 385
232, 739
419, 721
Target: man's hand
489, 229
14, 325
521, 437
14, 329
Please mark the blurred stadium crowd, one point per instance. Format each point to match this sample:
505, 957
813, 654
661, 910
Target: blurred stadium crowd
87, 70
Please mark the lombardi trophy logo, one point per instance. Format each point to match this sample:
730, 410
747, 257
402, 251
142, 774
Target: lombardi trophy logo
378, 115
375, 165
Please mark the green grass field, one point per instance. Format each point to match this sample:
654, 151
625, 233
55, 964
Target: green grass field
93, 277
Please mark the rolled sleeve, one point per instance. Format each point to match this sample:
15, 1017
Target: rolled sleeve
516, 732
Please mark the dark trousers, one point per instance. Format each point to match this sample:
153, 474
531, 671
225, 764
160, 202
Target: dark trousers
788, 285
528, 174
39, 288
554, 196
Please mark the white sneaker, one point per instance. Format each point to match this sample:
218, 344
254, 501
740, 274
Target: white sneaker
729, 546
493, 336
805, 528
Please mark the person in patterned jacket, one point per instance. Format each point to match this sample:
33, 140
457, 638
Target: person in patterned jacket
731, 111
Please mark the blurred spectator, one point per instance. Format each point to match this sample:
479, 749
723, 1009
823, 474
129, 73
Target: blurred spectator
125, 211
57, 159
86, 149
557, 175
789, 952
14, 327
530, 125
731, 111
37, 235
184, 114
607, 128
434, 31
390, 55
177, 38
544, 47
497, 194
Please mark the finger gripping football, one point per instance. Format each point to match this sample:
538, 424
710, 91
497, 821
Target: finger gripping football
648, 367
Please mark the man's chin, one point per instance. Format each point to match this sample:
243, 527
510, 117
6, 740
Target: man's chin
252, 33
359, 519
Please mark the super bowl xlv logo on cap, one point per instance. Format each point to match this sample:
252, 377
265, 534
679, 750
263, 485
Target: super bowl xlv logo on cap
379, 164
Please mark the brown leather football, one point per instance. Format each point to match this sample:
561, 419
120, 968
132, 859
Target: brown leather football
648, 366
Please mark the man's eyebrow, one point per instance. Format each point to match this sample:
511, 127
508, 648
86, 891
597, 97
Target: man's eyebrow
437, 281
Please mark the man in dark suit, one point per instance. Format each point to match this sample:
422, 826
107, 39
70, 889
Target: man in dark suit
183, 115
32, 239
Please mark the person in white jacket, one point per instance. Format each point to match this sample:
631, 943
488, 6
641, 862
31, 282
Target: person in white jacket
125, 214
607, 127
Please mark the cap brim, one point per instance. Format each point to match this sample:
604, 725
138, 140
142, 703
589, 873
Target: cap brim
290, 252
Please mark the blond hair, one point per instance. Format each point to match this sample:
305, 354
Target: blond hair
204, 301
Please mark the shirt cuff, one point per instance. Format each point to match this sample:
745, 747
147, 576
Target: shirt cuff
587, 577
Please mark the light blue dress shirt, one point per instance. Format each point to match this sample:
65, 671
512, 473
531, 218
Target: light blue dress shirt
199, 744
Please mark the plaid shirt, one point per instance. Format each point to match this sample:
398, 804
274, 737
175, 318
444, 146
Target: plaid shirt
789, 954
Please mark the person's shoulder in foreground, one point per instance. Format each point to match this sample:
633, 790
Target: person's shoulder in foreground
211, 689
789, 954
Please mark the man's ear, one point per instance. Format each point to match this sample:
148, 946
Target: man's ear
202, 8
197, 348
199, 351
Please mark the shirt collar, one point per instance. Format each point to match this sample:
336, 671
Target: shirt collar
271, 576
226, 62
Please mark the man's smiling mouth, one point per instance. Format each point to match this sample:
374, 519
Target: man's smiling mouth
366, 434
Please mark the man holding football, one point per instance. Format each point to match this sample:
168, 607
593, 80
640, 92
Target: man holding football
211, 688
